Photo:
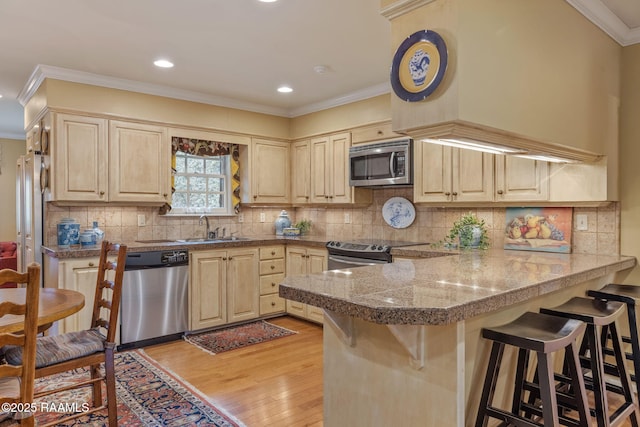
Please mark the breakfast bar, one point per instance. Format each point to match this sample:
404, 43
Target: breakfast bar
406, 335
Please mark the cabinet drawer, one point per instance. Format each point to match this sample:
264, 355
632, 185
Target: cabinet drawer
315, 313
272, 266
269, 283
271, 252
271, 304
372, 133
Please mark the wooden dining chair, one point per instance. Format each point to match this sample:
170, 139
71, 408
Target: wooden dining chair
88, 348
16, 381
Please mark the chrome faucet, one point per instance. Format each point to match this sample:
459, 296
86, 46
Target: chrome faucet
208, 229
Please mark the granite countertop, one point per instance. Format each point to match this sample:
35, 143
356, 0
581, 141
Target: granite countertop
163, 245
446, 289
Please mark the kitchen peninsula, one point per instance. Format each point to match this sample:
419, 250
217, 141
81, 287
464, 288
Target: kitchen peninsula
402, 341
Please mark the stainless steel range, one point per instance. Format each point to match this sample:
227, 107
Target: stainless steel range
362, 252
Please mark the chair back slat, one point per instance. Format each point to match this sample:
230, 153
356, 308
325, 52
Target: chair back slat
27, 339
113, 290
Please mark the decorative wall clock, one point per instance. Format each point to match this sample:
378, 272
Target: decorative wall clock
418, 65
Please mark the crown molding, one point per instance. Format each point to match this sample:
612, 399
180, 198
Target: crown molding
401, 7
360, 95
596, 12
43, 72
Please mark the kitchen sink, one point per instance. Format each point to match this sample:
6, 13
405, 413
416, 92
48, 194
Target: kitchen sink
155, 241
231, 239
216, 240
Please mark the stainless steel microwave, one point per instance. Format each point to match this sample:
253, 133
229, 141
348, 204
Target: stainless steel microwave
381, 164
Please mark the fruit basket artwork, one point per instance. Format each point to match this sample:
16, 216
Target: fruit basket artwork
539, 229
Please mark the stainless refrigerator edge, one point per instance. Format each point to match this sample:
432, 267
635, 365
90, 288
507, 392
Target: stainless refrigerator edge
29, 210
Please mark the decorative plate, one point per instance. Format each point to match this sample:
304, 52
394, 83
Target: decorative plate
398, 212
419, 65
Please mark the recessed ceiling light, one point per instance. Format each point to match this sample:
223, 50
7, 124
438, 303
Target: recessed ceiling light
0, 95
285, 89
163, 63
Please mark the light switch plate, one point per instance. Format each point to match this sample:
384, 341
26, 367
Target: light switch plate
263, 217
141, 220
241, 217
347, 218
581, 222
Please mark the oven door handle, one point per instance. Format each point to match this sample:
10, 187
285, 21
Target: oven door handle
350, 260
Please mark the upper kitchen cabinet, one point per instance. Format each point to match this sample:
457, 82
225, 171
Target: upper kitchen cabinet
330, 171
519, 179
78, 159
270, 176
139, 163
300, 171
373, 133
96, 160
446, 174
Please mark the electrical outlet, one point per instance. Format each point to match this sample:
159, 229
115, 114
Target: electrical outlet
347, 218
141, 220
263, 217
582, 223
241, 217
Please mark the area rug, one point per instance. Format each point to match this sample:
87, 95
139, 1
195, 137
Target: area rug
148, 395
237, 336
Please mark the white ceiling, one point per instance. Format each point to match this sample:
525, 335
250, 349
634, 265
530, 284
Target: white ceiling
227, 52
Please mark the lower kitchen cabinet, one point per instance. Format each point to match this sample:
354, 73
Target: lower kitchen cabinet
224, 287
303, 260
272, 266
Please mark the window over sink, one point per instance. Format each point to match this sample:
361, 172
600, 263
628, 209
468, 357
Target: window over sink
202, 185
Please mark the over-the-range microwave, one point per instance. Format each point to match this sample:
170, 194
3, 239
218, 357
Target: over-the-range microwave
381, 164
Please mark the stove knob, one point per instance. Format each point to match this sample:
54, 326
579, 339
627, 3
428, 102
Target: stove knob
382, 248
373, 247
338, 244
330, 243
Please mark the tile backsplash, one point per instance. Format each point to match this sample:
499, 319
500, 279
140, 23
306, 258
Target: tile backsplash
431, 223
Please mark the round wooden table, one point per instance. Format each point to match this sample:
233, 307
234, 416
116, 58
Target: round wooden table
55, 304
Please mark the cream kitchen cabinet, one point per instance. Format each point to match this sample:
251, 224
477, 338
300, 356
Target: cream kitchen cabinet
272, 268
96, 160
303, 260
80, 274
139, 163
446, 174
518, 179
330, 169
301, 171
223, 287
376, 132
79, 167
270, 178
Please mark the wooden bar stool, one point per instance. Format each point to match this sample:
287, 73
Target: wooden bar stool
629, 295
544, 335
600, 317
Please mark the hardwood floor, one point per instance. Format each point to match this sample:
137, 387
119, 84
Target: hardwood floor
277, 383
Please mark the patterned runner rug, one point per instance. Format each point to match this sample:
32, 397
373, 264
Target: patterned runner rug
148, 395
237, 336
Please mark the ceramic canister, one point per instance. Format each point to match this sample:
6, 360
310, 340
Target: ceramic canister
283, 221
68, 232
88, 238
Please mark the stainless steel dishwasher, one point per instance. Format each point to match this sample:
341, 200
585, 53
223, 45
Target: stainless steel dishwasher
155, 304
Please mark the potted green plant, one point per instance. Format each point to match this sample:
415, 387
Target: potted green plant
304, 225
469, 232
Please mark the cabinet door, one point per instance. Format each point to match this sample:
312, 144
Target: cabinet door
296, 262
519, 179
270, 171
472, 176
208, 290
316, 263
139, 162
79, 159
301, 172
339, 168
320, 159
79, 275
432, 172
243, 285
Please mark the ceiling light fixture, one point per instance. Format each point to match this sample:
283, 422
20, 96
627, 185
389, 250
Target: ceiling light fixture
163, 63
471, 144
285, 89
0, 95
320, 69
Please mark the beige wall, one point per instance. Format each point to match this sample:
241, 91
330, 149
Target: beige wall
630, 155
10, 150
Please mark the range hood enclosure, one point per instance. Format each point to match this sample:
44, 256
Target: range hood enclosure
534, 75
